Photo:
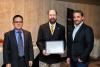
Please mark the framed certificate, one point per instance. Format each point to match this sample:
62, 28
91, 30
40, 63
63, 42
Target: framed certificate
55, 47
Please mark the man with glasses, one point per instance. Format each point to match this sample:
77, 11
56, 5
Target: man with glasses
17, 46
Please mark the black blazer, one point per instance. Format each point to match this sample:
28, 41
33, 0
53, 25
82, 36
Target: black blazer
82, 45
44, 35
10, 48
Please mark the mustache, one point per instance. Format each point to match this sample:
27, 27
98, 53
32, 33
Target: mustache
52, 19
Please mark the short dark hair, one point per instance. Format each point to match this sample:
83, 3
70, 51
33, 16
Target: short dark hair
52, 9
17, 16
78, 11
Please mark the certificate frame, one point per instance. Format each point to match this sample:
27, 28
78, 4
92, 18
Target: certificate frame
55, 47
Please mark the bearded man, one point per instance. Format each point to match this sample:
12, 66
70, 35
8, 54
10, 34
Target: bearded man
50, 31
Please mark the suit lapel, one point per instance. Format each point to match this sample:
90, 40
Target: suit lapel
48, 30
14, 39
49, 34
71, 32
78, 32
56, 30
25, 37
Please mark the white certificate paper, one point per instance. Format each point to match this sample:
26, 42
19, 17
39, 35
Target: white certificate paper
55, 47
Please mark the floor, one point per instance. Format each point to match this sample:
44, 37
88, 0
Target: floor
92, 64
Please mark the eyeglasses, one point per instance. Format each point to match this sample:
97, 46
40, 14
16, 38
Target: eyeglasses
18, 22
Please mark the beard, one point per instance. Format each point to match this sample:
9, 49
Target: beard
52, 20
77, 22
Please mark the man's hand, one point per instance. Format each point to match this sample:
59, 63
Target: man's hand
79, 60
30, 63
44, 53
8, 65
68, 60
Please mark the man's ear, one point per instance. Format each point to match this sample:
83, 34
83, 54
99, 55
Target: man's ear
82, 18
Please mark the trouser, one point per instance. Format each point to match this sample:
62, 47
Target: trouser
79, 64
22, 62
43, 64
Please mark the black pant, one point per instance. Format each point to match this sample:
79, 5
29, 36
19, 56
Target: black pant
79, 64
22, 62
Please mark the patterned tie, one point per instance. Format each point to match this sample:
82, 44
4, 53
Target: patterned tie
52, 30
20, 45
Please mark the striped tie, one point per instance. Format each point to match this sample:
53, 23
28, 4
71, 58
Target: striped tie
52, 29
20, 45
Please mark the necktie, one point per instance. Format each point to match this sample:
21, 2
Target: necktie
52, 30
20, 45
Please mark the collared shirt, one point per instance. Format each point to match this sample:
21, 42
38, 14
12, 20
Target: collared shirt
54, 25
17, 34
76, 29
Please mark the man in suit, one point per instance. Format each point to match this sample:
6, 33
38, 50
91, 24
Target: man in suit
80, 41
46, 33
17, 46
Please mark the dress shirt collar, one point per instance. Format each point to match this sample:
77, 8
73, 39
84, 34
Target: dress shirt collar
54, 25
78, 25
16, 30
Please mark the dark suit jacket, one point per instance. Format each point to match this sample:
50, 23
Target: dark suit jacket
10, 48
82, 44
44, 35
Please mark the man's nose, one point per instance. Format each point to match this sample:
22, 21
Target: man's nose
52, 16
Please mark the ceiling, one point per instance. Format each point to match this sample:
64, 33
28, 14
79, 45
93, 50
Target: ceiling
94, 2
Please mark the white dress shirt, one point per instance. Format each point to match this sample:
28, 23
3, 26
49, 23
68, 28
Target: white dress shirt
76, 29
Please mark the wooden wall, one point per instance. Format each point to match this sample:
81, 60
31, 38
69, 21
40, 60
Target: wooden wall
29, 9
91, 13
34, 13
